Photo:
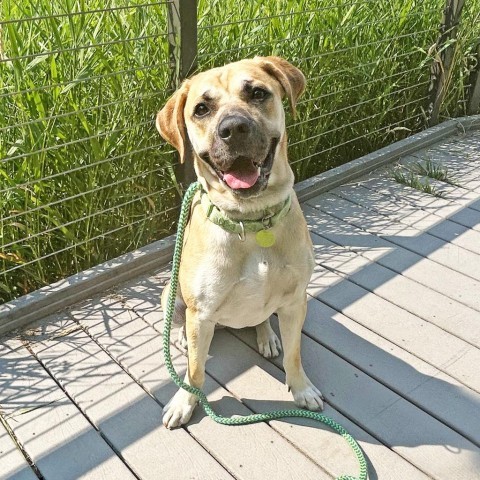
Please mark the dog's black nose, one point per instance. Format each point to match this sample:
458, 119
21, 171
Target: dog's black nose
234, 128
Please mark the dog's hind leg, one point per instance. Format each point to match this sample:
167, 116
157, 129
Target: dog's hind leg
180, 307
178, 316
268, 343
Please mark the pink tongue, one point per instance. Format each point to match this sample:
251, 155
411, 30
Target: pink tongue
241, 179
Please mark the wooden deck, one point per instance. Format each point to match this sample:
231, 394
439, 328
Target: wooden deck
392, 338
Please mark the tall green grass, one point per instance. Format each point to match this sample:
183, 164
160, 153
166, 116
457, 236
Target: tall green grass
84, 176
82, 97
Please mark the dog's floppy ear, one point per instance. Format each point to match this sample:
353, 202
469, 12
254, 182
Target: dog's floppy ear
291, 78
171, 122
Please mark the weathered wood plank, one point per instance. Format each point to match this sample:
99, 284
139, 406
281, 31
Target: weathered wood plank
322, 446
250, 452
461, 159
455, 210
456, 192
431, 344
57, 437
464, 211
13, 465
398, 290
436, 306
410, 377
260, 385
409, 431
444, 252
441, 279
421, 220
461, 150
345, 173
428, 246
143, 295
125, 414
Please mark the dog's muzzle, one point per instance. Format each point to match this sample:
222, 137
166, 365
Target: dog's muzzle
239, 155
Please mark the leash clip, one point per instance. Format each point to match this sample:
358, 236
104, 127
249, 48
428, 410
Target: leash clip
241, 235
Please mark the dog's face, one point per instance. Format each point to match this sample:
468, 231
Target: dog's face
231, 121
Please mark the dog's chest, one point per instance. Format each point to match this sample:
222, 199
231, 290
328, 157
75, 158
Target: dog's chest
247, 293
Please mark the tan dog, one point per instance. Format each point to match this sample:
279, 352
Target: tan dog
247, 251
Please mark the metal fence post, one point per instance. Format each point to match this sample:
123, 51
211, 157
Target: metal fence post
474, 97
444, 50
182, 38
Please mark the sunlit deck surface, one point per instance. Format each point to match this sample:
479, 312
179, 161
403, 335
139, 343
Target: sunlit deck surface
392, 338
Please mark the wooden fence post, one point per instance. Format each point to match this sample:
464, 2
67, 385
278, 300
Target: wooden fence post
444, 51
474, 98
182, 39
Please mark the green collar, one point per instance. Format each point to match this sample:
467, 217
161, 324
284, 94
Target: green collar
266, 219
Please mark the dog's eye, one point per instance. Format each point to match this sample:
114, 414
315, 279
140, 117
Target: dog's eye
259, 94
201, 110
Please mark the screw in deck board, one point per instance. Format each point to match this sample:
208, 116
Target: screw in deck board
183, 44
444, 50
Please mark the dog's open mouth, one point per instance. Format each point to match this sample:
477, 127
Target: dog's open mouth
245, 173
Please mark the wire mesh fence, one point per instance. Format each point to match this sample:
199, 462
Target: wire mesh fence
84, 176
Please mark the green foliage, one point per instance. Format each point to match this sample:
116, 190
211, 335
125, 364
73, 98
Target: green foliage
82, 171
419, 174
84, 176
433, 170
410, 179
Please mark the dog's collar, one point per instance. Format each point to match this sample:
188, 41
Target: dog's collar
266, 219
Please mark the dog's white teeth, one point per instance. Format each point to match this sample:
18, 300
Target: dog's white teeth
259, 170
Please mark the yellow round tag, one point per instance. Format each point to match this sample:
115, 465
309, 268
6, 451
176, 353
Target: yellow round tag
265, 238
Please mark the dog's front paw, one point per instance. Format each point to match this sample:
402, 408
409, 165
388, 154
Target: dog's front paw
309, 397
268, 343
179, 409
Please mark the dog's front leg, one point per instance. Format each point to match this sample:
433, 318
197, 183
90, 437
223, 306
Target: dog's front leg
291, 319
199, 336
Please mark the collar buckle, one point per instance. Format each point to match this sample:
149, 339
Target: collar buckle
267, 221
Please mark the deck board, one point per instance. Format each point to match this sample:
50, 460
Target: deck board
125, 414
445, 253
452, 207
357, 298
421, 220
13, 463
392, 338
138, 347
385, 282
397, 423
401, 327
58, 438
434, 276
414, 379
322, 446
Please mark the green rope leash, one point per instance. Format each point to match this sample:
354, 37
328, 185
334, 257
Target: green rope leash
241, 420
